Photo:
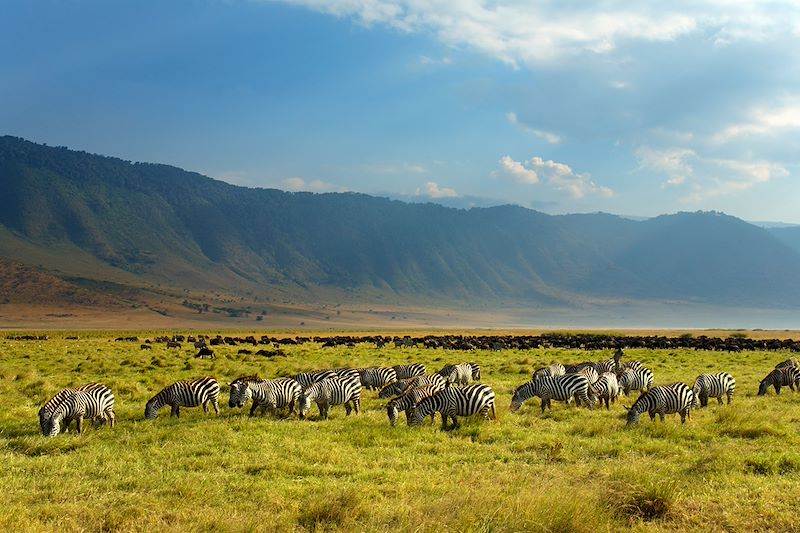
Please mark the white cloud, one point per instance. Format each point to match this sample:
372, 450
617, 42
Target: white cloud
762, 121
519, 32
517, 171
296, 184
672, 161
402, 168
557, 175
431, 189
552, 138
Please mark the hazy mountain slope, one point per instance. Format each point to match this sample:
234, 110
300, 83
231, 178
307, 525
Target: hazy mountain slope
161, 224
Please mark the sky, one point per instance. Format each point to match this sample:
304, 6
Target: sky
632, 108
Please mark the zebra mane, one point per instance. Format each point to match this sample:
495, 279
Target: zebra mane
247, 379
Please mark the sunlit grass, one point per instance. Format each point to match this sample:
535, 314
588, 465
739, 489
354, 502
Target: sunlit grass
569, 469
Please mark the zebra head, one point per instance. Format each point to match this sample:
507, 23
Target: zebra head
633, 416
240, 393
522, 393
305, 404
44, 421
151, 410
417, 416
392, 412
54, 426
763, 386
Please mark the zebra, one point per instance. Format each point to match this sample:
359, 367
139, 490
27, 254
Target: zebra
640, 379
306, 379
402, 385
267, 394
452, 402
348, 373
714, 386
461, 374
185, 394
663, 400
789, 362
409, 371
93, 400
562, 388
574, 369
409, 400
780, 377
606, 389
551, 371
333, 391
376, 377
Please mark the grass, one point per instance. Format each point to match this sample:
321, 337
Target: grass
729, 468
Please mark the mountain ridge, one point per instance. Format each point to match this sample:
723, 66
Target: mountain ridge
151, 224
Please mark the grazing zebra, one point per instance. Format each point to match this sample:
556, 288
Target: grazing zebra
185, 394
714, 386
376, 377
333, 391
451, 402
409, 371
409, 400
606, 389
306, 379
611, 365
94, 401
267, 394
789, 362
562, 388
780, 377
461, 374
574, 369
402, 385
551, 371
347, 373
640, 379
663, 400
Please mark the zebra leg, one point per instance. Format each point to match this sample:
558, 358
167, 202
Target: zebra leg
205, 407
79, 422
455, 422
356, 404
661, 415
347, 408
777, 388
730, 398
215, 405
719, 399
544, 403
112, 418
253, 408
176, 411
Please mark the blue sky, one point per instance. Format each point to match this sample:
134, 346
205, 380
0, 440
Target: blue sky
634, 108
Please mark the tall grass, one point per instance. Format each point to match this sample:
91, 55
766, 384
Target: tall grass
570, 469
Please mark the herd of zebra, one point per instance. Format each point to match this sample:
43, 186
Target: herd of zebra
450, 392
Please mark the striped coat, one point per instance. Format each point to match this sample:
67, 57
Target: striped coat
549, 371
561, 388
93, 400
267, 394
409, 371
606, 389
640, 379
376, 377
400, 386
453, 402
663, 400
714, 386
461, 374
306, 379
409, 400
328, 392
185, 394
787, 376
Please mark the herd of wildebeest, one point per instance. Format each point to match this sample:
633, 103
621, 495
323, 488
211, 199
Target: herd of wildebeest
453, 391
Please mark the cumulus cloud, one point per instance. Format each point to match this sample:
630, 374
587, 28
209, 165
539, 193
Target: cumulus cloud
764, 121
550, 137
296, 184
559, 176
517, 171
431, 189
519, 32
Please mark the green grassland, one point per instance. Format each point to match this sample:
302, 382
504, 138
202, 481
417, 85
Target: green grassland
730, 468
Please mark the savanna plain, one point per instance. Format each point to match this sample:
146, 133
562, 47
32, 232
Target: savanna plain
730, 468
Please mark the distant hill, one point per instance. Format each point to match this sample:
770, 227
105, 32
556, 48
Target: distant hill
97, 218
